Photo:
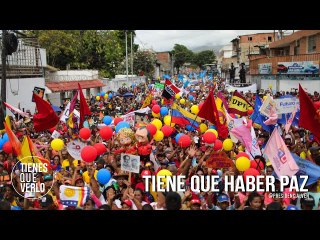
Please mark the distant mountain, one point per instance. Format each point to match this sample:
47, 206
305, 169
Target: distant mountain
215, 48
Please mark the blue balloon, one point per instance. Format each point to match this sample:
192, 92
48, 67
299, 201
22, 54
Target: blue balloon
164, 111
178, 136
107, 120
110, 95
213, 127
102, 94
103, 176
98, 94
190, 97
1, 143
5, 137
122, 125
189, 128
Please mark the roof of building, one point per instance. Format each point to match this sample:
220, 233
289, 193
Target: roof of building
293, 37
73, 85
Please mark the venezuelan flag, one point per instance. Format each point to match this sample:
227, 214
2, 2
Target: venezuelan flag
179, 112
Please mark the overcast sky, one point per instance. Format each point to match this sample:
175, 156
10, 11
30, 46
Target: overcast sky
164, 40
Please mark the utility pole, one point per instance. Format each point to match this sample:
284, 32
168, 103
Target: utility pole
126, 55
3, 78
131, 58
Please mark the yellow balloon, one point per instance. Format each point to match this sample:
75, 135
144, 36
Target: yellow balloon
195, 109
157, 123
213, 131
264, 98
203, 127
167, 121
177, 96
303, 155
97, 98
57, 144
182, 101
106, 96
156, 115
242, 164
164, 172
227, 144
270, 85
158, 136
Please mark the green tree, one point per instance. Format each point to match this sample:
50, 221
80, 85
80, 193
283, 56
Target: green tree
204, 57
181, 55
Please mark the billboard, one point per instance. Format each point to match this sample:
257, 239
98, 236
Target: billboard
265, 68
306, 67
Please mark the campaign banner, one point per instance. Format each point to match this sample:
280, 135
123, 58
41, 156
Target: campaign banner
265, 68
74, 148
252, 88
159, 85
267, 106
129, 118
305, 67
39, 91
286, 105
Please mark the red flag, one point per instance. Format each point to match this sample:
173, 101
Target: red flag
209, 112
73, 103
308, 114
46, 118
84, 108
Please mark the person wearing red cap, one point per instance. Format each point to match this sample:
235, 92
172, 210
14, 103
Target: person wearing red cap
127, 205
195, 204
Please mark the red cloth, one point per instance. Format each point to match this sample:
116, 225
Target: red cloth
209, 112
84, 108
309, 118
46, 118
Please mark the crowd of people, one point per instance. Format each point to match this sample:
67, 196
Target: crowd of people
126, 191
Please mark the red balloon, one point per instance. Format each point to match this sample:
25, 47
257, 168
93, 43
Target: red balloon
250, 111
154, 102
317, 104
250, 172
85, 133
152, 129
89, 154
184, 141
117, 120
200, 105
242, 154
101, 148
209, 137
106, 133
156, 109
7, 147
254, 165
217, 145
167, 130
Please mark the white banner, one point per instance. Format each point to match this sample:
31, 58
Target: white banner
252, 88
287, 105
267, 106
55, 134
66, 114
130, 163
74, 148
255, 150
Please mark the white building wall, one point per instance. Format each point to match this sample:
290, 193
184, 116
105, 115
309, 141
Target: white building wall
23, 87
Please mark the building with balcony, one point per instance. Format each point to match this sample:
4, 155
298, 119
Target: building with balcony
289, 61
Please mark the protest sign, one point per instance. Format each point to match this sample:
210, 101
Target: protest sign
66, 113
286, 105
74, 148
267, 106
130, 163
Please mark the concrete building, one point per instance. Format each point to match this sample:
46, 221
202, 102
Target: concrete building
287, 62
166, 61
25, 71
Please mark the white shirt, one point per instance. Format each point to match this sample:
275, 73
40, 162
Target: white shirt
134, 207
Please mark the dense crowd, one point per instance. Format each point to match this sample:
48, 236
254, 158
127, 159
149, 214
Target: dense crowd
126, 191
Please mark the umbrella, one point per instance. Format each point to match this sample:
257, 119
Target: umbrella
127, 95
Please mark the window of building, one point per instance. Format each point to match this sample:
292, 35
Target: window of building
269, 39
312, 44
249, 39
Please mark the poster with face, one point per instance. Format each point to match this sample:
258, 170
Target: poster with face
141, 119
130, 163
39, 91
